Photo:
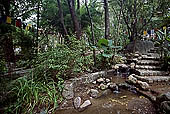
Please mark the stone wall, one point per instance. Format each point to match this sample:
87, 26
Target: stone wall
69, 85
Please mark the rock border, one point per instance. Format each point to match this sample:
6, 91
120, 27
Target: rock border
69, 85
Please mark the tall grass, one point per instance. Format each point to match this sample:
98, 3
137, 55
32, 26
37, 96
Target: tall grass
31, 96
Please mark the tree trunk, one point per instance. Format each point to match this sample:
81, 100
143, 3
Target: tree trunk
135, 35
78, 12
78, 4
6, 9
107, 21
92, 31
7, 43
74, 18
38, 21
62, 18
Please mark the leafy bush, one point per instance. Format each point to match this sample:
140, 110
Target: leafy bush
164, 44
42, 87
64, 60
107, 57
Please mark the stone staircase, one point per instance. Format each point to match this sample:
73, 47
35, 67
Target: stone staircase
148, 66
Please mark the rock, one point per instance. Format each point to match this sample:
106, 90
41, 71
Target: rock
124, 58
143, 85
113, 86
139, 58
121, 65
108, 80
132, 79
100, 80
136, 55
139, 45
127, 86
77, 102
135, 59
94, 82
65, 103
68, 91
165, 107
115, 67
106, 92
132, 65
94, 93
88, 91
85, 104
163, 97
103, 86
108, 84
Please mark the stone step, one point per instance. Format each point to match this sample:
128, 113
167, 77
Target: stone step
152, 73
151, 56
148, 67
148, 62
154, 49
153, 79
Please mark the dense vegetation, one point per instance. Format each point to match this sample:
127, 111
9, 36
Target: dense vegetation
63, 40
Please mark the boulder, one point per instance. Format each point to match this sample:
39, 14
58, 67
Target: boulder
121, 65
103, 86
143, 85
113, 86
140, 46
107, 80
165, 107
163, 97
132, 79
115, 66
132, 65
77, 102
94, 82
85, 105
94, 93
136, 55
68, 92
100, 80
139, 58
105, 92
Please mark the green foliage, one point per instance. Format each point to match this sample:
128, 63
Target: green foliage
42, 87
20, 38
63, 60
25, 40
164, 44
2, 66
106, 59
32, 95
107, 47
103, 43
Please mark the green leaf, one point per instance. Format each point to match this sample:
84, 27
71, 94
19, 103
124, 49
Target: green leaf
102, 42
168, 39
